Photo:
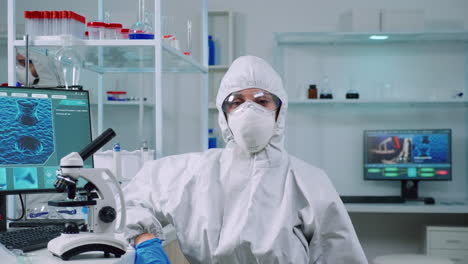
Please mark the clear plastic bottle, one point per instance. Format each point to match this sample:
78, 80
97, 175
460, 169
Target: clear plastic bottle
117, 162
326, 90
68, 62
144, 152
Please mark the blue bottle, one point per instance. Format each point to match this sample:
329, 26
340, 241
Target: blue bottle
211, 50
211, 139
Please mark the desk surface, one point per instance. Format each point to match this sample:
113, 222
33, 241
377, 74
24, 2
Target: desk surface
410, 207
43, 256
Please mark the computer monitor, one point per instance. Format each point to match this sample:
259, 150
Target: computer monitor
408, 155
38, 128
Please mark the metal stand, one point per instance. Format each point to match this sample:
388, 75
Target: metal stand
3, 213
409, 192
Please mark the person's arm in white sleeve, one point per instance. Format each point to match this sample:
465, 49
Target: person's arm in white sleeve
328, 228
338, 238
144, 217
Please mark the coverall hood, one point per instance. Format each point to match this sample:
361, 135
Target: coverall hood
253, 72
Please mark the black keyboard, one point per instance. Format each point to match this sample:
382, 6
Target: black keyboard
372, 199
44, 222
29, 239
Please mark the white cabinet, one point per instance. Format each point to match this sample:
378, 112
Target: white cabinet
406, 81
450, 242
136, 58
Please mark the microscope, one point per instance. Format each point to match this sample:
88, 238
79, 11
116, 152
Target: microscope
99, 197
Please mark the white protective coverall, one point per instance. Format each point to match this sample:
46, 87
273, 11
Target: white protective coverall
230, 206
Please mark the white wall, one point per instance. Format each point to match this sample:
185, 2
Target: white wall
257, 20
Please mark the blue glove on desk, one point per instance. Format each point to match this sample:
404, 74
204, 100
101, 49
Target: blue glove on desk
151, 252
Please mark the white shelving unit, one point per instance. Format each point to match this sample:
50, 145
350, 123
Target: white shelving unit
218, 67
136, 56
174, 60
221, 27
125, 103
428, 67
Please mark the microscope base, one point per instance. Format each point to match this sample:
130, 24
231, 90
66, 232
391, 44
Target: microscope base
68, 245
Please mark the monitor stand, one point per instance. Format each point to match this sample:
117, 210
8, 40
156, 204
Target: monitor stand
409, 192
3, 213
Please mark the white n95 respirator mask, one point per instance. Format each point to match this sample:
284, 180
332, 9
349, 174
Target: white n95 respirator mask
252, 126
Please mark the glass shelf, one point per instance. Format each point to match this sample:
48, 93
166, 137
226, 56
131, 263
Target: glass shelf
218, 67
320, 38
322, 102
131, 103
325, 102
121, 55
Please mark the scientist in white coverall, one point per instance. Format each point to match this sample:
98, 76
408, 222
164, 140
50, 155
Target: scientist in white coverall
250, 202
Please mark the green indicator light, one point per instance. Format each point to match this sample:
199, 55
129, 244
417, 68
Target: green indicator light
427, 169
391, 169
391, 174
427, 174
373, 170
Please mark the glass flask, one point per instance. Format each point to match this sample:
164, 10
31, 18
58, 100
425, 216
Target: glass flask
68, 62
142, 25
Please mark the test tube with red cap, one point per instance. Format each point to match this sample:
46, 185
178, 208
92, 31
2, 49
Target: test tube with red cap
38, 23
52, 23
29, 23
124, 33
46, 23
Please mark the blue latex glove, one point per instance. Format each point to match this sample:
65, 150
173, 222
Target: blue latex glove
151, 252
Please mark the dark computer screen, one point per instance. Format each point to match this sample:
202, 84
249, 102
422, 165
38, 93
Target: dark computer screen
407, 154
38, 127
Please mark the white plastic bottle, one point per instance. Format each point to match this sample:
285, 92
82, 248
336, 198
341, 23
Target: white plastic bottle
117, 162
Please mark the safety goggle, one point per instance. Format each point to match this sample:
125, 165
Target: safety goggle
258, 96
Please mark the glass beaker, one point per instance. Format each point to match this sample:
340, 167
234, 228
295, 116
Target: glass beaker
326, 89
387, 91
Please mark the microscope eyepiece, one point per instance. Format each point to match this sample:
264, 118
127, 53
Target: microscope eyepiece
98, 143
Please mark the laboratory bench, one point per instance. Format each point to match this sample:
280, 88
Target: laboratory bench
440, 207
43, 256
